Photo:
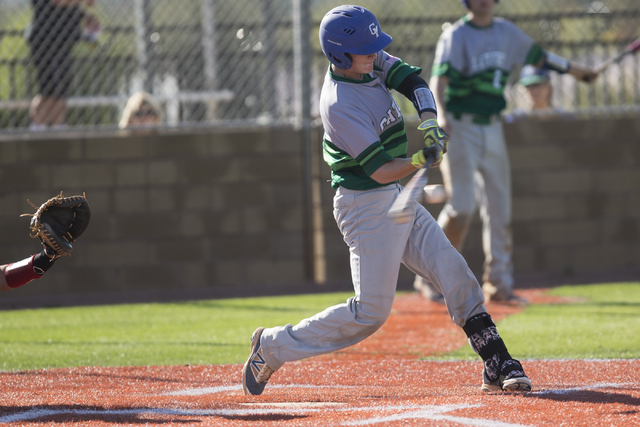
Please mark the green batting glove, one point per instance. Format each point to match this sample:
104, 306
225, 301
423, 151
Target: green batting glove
434, 134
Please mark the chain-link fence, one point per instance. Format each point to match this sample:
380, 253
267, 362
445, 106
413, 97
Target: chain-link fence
246, 62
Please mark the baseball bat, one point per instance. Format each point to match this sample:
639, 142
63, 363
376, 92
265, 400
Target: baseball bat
633, 47
402, 208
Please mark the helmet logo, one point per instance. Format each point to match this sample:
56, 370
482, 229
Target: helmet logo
374, 29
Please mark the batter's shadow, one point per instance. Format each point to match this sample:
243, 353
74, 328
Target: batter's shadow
586, 396
62, 414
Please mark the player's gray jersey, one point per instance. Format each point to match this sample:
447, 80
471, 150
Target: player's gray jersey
362, 122
478, 61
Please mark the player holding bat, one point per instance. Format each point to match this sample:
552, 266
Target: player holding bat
365, 145
471, 68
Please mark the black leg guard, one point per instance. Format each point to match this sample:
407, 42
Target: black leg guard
485, 340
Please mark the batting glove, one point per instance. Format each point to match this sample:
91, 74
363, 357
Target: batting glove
436, 141
434, 134
419, 160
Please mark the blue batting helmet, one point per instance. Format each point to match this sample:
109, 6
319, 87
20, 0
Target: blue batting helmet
350, 29
465, 3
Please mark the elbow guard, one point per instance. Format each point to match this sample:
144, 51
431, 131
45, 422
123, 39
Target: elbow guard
415, 88
423, 100
556, 63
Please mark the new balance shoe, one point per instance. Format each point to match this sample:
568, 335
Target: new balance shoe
255, 372
512, 378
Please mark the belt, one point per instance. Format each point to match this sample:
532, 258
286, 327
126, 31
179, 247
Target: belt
479, 119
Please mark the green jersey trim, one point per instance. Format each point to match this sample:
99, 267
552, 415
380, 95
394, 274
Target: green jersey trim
468, 22
355, 173
366, 78
482, 93
477, 94
398, 72
535, 54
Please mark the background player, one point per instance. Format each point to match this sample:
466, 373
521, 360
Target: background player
365, 144
472, 64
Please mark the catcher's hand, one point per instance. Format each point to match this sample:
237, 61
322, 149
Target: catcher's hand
59, 221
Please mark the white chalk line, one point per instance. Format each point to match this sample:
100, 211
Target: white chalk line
431, 412
435, 413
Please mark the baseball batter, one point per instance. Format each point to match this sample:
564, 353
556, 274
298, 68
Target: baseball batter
365, 144
472, 64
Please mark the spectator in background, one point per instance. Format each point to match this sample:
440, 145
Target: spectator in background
141, 110
56, 27
537, 81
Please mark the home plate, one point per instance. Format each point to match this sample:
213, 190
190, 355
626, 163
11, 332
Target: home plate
295, 404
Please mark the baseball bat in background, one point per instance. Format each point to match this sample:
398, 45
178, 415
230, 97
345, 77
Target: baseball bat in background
402, 208
632, 48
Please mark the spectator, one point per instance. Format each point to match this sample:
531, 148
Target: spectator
141, 110
537, 81
55, 29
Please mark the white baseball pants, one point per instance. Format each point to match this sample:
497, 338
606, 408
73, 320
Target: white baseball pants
476, 171
377, 247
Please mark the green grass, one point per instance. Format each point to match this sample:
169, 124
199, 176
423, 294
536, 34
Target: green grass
604, 322
200, 332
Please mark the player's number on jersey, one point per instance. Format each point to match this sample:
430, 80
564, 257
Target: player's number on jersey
497, 77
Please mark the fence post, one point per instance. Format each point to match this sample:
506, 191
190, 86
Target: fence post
209, 53
142, 42
302, 82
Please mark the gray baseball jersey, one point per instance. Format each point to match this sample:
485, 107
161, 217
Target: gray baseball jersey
363, 124
478, 61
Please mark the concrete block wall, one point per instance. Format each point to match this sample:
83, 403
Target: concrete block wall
169, 211
576, 200
575, 207
222, 212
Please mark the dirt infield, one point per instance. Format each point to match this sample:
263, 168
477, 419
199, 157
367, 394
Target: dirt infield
380, 382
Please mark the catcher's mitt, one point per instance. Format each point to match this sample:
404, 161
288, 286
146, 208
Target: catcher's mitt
59, 221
